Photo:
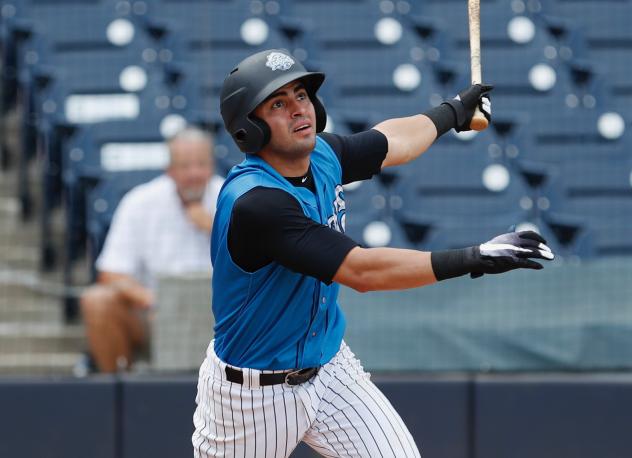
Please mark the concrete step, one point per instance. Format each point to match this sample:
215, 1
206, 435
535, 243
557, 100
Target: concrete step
40, 338
38, 363
31, 312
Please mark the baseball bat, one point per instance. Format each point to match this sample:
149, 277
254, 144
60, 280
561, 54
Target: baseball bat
479, 122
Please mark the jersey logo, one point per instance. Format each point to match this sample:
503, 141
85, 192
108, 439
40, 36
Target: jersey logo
337, 220
279, 61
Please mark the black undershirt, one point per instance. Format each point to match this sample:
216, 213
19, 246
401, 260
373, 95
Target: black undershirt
268, 224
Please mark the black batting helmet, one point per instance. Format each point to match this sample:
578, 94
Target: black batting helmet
251, 82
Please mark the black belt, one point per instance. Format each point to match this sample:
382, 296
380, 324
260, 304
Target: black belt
291, 377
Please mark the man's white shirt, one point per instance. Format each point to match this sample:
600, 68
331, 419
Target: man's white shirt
151, 235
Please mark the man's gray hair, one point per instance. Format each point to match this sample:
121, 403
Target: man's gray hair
191, 133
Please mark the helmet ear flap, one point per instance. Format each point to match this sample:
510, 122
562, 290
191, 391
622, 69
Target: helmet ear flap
321, 114
264, 129
251, 134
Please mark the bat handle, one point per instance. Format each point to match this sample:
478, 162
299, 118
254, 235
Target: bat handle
479, 121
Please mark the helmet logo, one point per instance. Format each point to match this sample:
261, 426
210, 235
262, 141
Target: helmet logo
279, 61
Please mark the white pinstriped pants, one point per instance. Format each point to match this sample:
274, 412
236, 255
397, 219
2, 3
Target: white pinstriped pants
339, 413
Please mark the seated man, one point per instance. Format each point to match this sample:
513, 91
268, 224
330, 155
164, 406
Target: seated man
160, 227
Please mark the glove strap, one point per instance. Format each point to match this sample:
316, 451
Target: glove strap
443, 117
460, 114
454, 263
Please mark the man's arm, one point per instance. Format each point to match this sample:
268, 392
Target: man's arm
128, 287
377, 269
409, 137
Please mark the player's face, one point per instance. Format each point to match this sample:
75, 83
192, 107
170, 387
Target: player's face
191, 167
290, 114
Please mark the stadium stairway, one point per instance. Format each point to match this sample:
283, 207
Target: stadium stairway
34, 338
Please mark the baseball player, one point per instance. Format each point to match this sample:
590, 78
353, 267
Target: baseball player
278, 371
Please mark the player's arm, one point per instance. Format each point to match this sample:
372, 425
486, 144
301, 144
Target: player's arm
374, 269
409, 137
268, 225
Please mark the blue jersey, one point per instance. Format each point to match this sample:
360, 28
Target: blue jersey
275, 318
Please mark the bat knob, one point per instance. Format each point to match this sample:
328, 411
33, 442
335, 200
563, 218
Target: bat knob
479, 123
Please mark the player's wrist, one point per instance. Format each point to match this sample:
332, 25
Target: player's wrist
454, 263
443, 117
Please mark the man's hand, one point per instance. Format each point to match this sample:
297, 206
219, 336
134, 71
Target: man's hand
129, 289
466, 102
507, 252
199, 216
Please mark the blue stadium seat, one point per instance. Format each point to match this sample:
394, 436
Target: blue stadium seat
457, 178
599, 194
604, 22
194, 24
362, 80
330, 24
49, 33
453, 17
227, 154
371, 229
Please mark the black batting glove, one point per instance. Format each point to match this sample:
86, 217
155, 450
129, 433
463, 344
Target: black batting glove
466, 102
514, 250
510, 251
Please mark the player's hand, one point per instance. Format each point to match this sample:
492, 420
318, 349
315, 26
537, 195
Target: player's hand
514, 250
466, 102
199, 216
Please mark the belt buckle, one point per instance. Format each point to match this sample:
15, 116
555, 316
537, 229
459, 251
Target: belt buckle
291, 374
298, 373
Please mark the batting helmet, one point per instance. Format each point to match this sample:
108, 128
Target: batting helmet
251, 82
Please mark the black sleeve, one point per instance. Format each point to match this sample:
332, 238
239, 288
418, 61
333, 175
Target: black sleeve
269, 225
361, 155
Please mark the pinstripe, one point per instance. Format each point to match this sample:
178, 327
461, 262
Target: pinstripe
252, 405
201, 412
287, 432
265, 423
232, 415
212, 420
221, 407
346, 409
295, 414
360, 417
335, 434
197, 417
394, 415
386, 416
320, 450
370, 411
276, 433
324, 436
343, 429
243, 418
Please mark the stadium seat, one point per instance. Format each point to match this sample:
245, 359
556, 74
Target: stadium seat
46, 33
458, 178
329, 22
599, 194
380, 82
604, 22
